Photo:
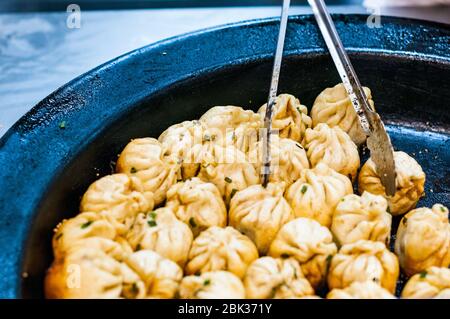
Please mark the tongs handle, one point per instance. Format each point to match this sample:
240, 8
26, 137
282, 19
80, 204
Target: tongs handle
343, 64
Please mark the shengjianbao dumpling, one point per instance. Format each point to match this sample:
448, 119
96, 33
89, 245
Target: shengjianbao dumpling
361, 290
317, 192
198, 204
228, 169
288, 159
90, 268
231, 126
229, 117
361, 217
212, 285
334, 107
433, 282
82, 226
221, 249
161, 231
119, 197
278, 278
178, 140
423, 239
160, 276
144, 159
332, 146
289, 117
410, 183
362, 261
243, 137
309, 243
259, 213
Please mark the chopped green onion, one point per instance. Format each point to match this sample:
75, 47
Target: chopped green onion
206, 138
304, 189
86, 224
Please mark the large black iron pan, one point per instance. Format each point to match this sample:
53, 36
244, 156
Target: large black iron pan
44, 169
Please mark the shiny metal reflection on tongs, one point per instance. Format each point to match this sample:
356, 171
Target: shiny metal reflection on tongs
378, 141
265, 174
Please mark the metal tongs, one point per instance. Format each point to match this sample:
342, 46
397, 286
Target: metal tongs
378, 141
273, 92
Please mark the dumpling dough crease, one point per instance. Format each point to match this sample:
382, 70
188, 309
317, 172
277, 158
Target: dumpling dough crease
226, 117
198, 204
332, 146
221, 249
118, 197
361, 217
289, 117
362, 261
228, 169
144, 159
212, 285
309, 243
278, 278
288, 159
91, 268
97, 267
410, 183
334, 107
232, 126
317, 192
162, 232
361, 290
259, 213
434, 282
423, 239
178, 140
160, 276
80, 227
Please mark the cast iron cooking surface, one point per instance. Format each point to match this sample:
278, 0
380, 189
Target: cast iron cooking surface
45, 169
